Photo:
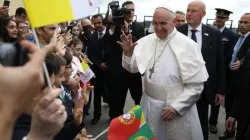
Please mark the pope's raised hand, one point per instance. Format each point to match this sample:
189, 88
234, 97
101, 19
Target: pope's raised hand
127, 44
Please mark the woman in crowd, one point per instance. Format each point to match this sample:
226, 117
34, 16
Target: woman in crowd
75, 31
76, 47
8, 30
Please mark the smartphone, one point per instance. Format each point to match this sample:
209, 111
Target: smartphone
6, 3
26, 29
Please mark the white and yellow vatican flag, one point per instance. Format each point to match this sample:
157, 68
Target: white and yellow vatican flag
47, 12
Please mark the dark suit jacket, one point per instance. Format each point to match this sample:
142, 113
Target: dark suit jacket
114, 56
212, 52
234, 75
229, 39
96, 51
240, 109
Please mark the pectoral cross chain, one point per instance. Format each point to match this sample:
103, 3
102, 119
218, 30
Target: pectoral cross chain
151, 72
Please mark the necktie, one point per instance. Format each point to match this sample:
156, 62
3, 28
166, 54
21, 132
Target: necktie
130, 26
236, 50
193, 35
100, 35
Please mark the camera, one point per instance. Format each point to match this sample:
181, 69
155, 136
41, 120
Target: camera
13, 54
86, 28
117, 13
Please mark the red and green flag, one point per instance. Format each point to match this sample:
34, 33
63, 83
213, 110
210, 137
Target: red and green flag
130, 126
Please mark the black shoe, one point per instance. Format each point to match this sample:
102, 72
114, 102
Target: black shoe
226, 135
96, 119
213, 129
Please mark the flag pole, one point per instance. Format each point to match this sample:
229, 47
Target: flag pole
44, 65
102, 133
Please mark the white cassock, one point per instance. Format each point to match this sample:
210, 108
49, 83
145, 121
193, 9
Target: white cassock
177, 81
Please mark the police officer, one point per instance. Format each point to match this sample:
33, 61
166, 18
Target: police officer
229, 39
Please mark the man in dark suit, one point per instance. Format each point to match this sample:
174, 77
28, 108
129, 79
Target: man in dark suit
121, 80
96, 53
229, 39
240, 66
209, 41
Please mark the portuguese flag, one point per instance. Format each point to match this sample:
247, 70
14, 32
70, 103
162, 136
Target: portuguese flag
130, 126
144, 133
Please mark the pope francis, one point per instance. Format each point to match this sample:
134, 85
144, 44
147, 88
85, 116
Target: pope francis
173, 74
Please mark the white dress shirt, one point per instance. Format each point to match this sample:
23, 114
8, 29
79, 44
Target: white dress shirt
103, 33
198, 34
245, 36
222, 29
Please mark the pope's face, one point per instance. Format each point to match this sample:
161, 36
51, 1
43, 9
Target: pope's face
163, 23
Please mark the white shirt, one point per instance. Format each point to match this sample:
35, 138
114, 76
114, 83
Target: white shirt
222, 29
198, 34
166, 66
245, 36
103, 33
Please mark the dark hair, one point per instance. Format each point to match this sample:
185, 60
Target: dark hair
52, 66
20, 11
4, 32
97, 15
60, 60
68, 56
75, 42
179, 12
53, 63
126, 3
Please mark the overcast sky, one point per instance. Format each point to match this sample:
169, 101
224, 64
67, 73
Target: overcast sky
146, 7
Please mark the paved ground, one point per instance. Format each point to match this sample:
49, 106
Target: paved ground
103, 123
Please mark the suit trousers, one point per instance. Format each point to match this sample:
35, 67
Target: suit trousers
230, 99
202, 107
117, 91
214, 114
99, 91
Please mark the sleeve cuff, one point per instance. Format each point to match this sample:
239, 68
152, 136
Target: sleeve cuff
127, 59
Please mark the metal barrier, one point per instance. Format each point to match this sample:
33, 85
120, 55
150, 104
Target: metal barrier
146, 23
229, 25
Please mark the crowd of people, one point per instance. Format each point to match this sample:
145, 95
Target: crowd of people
174, 70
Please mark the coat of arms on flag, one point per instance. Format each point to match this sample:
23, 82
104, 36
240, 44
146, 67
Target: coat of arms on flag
130, 126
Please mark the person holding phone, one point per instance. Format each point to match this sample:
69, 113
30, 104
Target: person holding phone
24, 31
4, 10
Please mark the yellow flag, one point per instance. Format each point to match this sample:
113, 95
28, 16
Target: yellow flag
88, 73
47, 12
